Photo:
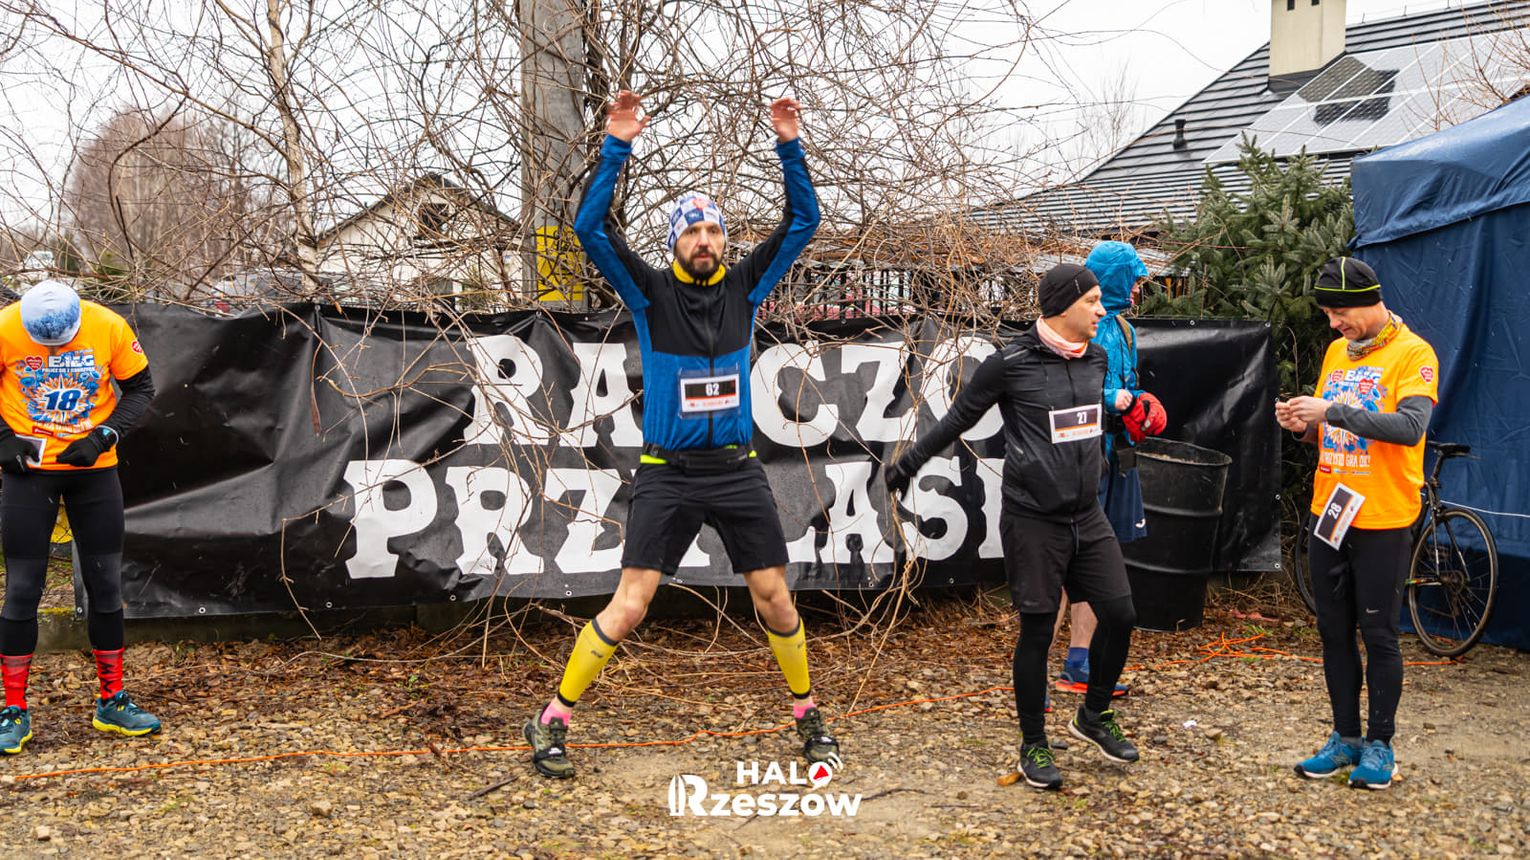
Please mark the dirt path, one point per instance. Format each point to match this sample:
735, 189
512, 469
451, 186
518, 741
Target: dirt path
926, 772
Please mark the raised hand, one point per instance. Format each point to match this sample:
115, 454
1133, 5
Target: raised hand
785, 117
622, 121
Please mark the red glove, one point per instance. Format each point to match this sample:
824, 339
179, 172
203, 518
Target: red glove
1145, 418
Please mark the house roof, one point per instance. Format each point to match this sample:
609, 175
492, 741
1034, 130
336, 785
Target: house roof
428, 182
1151, 176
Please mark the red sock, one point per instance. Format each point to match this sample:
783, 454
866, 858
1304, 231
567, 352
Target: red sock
16, 669
109, 670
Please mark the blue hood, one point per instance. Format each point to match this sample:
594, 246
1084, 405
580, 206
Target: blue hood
1117, 266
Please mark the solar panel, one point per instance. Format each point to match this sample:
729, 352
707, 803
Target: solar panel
1378, 98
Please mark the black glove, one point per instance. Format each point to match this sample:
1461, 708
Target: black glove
83, 451
14, 453
897, 475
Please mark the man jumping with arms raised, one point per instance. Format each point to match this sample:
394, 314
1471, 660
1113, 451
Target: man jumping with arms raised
695, 325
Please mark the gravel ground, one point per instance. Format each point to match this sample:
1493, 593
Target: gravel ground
929, 773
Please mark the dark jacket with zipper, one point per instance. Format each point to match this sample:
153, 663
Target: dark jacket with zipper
1055, 481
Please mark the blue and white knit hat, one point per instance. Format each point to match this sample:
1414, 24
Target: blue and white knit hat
693, 207
50, 312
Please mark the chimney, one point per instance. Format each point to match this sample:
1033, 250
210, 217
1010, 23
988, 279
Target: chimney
1304, 36
1179, 134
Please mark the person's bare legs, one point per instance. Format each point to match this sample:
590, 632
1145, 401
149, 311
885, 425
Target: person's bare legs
1081, 627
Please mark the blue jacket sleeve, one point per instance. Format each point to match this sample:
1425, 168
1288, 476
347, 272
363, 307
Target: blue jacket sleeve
1121, 374
773, 257
590, 223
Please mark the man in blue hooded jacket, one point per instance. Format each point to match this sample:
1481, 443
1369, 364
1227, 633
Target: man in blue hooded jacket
1121, 274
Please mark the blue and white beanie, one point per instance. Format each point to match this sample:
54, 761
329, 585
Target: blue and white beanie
693, 207
50, 312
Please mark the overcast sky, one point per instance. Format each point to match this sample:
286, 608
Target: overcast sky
1166, 49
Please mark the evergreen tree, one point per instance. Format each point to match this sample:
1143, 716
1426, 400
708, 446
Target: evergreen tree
1256, 255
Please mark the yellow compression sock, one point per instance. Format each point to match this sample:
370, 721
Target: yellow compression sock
791, 656
592, 650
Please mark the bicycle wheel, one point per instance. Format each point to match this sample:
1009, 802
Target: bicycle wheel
1452, 580
1301, 567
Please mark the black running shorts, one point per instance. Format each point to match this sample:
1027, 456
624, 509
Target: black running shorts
1042, 557
669, 507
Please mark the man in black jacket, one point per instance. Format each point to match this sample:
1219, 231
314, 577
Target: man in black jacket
1047, 383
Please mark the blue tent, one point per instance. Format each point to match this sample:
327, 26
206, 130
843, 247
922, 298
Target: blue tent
1445, 221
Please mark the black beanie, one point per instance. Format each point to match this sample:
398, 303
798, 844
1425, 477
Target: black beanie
1347, 283
1063, 285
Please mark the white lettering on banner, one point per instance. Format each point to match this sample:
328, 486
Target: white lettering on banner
476, 521
851, 483
929, 505
375, 522
792, 407
875, 425
936, 385
602, 366
768, 389
596, 489
991, 472
492, 388
695, 556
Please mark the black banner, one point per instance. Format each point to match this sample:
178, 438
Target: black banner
334, 459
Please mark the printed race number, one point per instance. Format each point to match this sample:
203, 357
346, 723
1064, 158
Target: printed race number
704, 394
1338, 512
63, 400
1071, 425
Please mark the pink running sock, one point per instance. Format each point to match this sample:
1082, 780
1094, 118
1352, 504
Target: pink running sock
802, 706
556, 710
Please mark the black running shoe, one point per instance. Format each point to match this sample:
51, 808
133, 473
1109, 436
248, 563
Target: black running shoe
1105, 733
817, 744
1039, 767
549, 755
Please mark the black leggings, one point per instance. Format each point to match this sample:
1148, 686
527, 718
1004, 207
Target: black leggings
28, 511
1361, 585
1107, 657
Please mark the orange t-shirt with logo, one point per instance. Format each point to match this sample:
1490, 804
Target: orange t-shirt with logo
58, 394
1388, 476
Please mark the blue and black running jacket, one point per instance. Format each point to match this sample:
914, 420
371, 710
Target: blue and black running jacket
695, 337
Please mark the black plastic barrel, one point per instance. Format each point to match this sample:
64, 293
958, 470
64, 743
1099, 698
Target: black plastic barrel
1182, 486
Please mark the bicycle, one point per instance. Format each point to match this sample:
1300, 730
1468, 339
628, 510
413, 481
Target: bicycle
1452, 572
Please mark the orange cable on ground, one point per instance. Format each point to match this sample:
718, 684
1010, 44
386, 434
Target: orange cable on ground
1213, 650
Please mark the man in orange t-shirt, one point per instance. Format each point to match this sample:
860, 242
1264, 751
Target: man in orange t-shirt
60, 421
1376, 391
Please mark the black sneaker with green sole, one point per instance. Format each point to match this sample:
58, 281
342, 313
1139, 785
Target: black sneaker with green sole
1039, 767
1105, 733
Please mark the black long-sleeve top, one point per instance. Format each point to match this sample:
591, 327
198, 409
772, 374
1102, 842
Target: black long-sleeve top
1042, 478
